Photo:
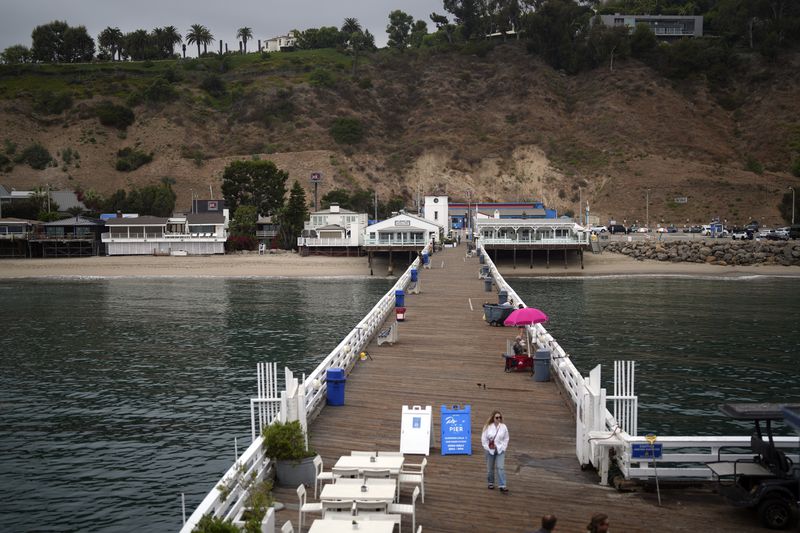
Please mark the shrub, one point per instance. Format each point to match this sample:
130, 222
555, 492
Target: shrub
286, 442
209, 524
52, 103
36, 156
129, 159
321, 77
159, 91
753, 165
214, 85
347, 130
796, 167
114, 116
240, 242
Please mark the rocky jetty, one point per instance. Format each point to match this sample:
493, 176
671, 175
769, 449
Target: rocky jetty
721, 253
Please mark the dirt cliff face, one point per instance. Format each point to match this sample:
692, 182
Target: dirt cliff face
504, 126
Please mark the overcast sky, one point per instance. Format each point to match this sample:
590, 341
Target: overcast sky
267, 18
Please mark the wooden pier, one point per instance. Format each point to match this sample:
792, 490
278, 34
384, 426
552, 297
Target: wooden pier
448, 355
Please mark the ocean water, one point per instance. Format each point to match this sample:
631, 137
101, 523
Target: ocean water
697, 342
116, 396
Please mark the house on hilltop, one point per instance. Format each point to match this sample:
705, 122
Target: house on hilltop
665, 27
281, 43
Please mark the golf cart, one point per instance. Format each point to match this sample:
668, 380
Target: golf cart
768, 481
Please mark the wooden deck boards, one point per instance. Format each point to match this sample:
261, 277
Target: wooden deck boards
445, 355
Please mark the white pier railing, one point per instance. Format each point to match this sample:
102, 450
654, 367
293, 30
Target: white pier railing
597, 430
301, 400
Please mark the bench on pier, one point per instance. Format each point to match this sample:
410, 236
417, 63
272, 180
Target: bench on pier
388, 335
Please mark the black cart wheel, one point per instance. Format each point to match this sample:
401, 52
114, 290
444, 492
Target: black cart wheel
776, 513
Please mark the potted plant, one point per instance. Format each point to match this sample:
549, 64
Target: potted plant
286, 445
257, 509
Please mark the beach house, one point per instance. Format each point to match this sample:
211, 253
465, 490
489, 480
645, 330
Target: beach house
333, 230
192, 234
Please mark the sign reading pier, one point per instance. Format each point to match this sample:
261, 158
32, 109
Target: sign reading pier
456, 430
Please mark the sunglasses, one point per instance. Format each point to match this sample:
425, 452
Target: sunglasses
498, 417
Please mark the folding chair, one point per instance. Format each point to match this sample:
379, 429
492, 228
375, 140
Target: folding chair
416, 476
304, 506
320, 475
406, 509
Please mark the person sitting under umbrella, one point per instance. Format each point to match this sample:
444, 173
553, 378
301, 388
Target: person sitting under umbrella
519, 348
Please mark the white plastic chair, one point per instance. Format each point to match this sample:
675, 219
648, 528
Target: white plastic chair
415, 476
304, 506
377, 474
338, 508
287, 527
344, 472
320, 475
406, 509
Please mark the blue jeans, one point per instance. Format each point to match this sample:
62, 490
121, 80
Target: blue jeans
497, 461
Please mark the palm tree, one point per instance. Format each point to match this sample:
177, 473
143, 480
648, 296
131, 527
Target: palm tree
244, 34
111, 38
197, 35
171, 38
351, 26
208, 38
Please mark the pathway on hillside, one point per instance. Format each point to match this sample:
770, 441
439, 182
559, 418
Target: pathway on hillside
445, 354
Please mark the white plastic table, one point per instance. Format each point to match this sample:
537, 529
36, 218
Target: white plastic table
349, 491
391, 463
346, 526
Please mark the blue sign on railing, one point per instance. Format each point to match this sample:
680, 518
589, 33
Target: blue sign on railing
643, 450
456, 430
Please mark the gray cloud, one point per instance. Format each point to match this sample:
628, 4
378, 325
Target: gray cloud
267, 18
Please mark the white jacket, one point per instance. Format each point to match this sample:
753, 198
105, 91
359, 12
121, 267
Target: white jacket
500, 436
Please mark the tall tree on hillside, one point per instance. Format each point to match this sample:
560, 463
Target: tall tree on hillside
292, 216
172, 37
245, 34
110, 39
324, 37
199, 35
418, 33
399, 29
48, 42
258, 183
469, 14
78, 45
135, 44
443, 24
16, 54
355, 38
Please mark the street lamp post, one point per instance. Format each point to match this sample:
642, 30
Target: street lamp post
792, 188
647, 210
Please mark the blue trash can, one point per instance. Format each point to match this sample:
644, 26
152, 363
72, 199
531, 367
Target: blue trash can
487, 284
425, 258
480, 258
502, 297
335, 378
399, 298
541, 365
484, 270
414, 274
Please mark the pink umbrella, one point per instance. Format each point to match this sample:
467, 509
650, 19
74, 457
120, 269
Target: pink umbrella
525, 317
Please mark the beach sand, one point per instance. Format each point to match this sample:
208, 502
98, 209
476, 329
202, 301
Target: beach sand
292, 265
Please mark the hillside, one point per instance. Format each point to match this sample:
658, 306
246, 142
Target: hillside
500, 122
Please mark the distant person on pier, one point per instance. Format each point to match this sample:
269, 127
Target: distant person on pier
548, 524
495, 442
599, 523
519, 348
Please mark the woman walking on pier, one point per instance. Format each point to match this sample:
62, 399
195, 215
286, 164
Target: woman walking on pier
495, 441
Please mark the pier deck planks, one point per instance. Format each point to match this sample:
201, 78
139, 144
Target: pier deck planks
444, 352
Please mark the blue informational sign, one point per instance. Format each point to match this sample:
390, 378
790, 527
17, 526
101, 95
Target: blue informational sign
644, 450
456, 430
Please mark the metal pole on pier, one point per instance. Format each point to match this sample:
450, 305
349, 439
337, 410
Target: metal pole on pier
183, 506
651, 438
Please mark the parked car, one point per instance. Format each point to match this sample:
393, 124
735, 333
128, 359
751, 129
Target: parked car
614, 229
741, 234
598, 229
780, 234
696, 229
672, 229
661, 230
764, 232
752, 226
794, 231
643, 230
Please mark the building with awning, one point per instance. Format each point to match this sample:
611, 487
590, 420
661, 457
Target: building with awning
192, 234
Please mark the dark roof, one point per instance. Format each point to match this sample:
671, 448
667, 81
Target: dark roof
531, 212
71, 221
137, 221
